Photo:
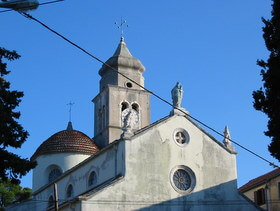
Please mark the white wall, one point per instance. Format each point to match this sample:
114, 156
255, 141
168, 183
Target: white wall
64, 161
151, 156
146, 162
107, 165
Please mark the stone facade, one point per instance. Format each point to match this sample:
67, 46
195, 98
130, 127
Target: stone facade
108, 112
118, 93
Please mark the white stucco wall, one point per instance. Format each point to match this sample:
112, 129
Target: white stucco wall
145, 163
151, 156
64, 161
107, 165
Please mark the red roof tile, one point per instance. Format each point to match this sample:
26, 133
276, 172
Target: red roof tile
260, 180
67, 141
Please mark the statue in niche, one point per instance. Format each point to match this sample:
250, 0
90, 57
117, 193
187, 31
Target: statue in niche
130, 118
127, 119
177, 95
127, 125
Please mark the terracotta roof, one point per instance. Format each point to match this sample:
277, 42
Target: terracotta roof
67, 141
260, 180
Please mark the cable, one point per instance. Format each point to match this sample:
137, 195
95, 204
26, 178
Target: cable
49, 2
158, 202
152, 93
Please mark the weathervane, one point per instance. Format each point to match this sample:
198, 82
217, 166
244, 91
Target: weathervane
70, 104
121, 25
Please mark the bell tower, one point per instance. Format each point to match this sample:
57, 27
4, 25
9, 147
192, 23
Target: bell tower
119, 97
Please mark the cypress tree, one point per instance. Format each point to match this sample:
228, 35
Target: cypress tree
12, 133
267, 98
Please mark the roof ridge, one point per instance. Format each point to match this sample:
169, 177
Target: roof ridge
151, 125
260, 179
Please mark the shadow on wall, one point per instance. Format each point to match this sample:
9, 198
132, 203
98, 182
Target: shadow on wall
223, 197
218, 198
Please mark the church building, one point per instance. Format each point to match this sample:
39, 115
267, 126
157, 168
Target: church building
131, 163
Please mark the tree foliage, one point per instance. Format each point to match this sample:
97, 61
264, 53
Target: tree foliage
12, 193
12, 133
267, 99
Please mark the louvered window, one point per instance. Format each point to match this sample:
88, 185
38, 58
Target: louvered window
259, 196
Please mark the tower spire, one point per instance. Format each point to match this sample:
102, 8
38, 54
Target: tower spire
69, 126
119, 101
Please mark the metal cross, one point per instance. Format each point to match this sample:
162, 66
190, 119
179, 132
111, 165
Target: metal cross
121, 25
180, 138
70, 104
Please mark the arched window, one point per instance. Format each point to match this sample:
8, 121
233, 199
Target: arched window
51, 201
69, 191
135, 107
92, 179
124, 105
54, 173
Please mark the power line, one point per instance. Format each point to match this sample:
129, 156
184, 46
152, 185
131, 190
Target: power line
26, 7
155, 202
152, 93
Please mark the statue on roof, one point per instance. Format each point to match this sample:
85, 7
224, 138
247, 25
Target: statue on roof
227, 139
177, 95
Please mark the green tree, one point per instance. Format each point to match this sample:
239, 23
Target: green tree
12, 133
267, 98
12, 193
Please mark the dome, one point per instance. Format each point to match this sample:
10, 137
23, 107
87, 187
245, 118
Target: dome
68, 140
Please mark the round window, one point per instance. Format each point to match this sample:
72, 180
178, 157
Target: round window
182, 179
181, 137
128, 85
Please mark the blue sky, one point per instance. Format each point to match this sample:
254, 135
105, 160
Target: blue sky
211, 47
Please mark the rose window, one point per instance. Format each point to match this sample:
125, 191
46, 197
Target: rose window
182, 180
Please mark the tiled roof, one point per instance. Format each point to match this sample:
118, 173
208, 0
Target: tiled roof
260, 180
67, 141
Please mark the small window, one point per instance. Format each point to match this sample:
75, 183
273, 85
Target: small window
55, 173
69, 192
124, 106
92, 180
129, 85
259, 196
135, 107
181, 137
51, 201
